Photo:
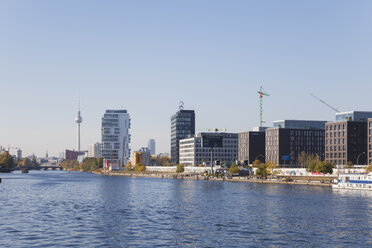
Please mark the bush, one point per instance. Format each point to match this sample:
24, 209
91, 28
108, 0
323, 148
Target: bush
369, 168
180, 168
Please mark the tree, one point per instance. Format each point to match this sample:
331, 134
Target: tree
234, 169
140, 168
256, 163
100, 162
321, 167
34, 163
271, 166
302, 159
180, 168
262, 170
26, 162
128, 166
6, 161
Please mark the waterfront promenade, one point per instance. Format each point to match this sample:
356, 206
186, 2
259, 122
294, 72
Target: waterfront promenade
293, 180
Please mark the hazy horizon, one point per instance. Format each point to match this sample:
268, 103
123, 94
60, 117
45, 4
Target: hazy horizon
146, 56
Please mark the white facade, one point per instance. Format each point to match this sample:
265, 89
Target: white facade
193, 154
151, 146
95, 150
115, 139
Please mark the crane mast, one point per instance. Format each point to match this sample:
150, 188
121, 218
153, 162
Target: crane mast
261, 94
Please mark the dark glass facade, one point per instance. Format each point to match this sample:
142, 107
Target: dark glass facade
284, 145
252, 146
345, 142
182, 126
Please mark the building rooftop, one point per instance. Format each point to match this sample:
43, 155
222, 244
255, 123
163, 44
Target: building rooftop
111, 111
353, 116
299, 124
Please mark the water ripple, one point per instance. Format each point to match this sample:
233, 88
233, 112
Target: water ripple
61, 209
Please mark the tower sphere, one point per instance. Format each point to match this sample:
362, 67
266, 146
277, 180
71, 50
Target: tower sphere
78, 118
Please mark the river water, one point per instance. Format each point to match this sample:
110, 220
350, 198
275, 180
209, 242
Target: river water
75, 209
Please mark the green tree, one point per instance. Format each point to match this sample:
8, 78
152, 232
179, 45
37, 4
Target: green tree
262, 170
180, 168
271, 166
6, 160
234, 169
320, 167
100, 162
75, 165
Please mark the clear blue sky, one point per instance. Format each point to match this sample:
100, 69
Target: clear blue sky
146, 56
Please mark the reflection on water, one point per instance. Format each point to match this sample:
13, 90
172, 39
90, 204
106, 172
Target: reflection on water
62, 209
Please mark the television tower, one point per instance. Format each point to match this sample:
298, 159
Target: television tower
78, 120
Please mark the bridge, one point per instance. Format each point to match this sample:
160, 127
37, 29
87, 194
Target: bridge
51, 167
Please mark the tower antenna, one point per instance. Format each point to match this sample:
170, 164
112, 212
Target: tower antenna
78, 120
261, 94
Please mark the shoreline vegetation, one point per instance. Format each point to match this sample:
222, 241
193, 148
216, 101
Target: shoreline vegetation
289, 180
264, 172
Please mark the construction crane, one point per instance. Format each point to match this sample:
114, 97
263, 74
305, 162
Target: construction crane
324, 103
261, 93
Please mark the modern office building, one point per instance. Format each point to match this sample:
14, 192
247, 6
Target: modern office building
196, 150
353, 116
369, 141
251, 146
346, 141
182, 126
287, 139
115, 139
95, 150
151, 146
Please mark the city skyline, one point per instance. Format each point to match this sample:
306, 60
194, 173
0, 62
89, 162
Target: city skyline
146, 58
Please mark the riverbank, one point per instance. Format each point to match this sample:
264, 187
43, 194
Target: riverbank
292, 180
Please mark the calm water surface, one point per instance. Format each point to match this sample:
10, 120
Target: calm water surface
74, 209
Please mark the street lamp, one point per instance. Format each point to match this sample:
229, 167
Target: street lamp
359, 156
